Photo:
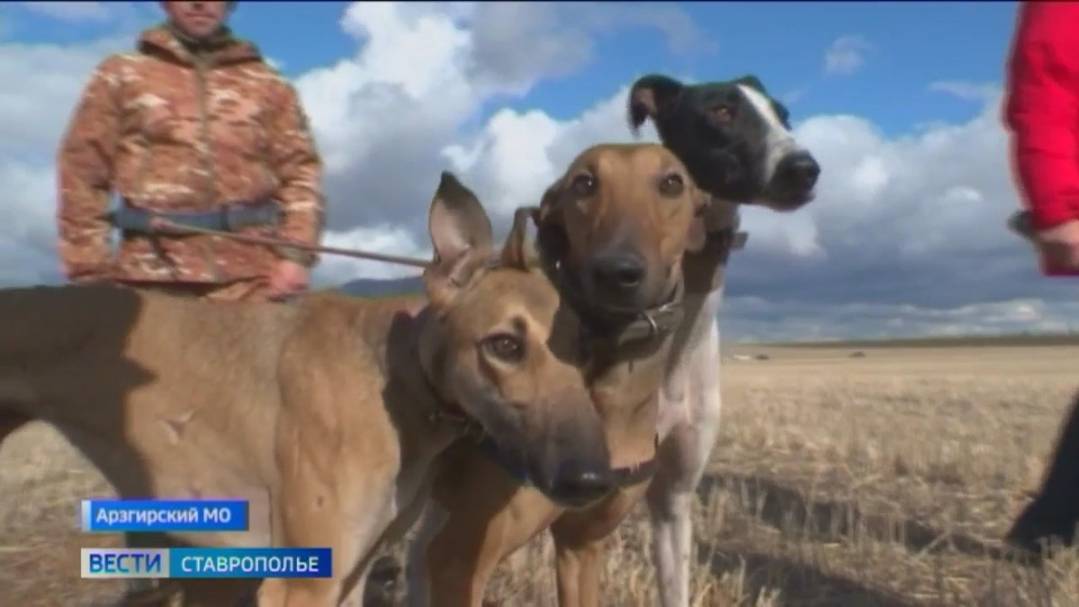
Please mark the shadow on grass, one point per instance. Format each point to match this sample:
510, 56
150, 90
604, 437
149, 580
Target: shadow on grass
800, 584
789, 510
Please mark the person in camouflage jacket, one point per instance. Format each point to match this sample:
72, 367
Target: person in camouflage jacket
191, 122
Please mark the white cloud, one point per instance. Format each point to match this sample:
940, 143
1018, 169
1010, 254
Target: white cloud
933, 184
50, 78
756, 319
793, 96
910, 237
970, 91
561, 36
500, 57
391, 118
36, 112
28, 231
386, 239
846, 55
517, 155
383, 117
74, 12
683, 36
911, 228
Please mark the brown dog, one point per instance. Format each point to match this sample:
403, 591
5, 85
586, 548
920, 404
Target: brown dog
326, 415
614, 230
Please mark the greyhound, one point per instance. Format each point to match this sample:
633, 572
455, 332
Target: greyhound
612, 231
327, 414
735, 142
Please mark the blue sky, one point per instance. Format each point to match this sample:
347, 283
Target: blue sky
910, 46
900, 103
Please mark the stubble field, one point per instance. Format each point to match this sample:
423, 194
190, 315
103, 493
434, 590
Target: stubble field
884, 478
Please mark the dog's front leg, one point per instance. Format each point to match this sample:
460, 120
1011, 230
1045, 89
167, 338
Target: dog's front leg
578, 569
352, 543
682, 458
579, 552
580, 549
477, 516
670, 504
417, 571
327, 497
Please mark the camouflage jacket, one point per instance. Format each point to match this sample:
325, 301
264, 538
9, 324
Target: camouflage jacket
170, 130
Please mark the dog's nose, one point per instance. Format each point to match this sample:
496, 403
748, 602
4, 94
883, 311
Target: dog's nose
619, 272
577, 484
799, 170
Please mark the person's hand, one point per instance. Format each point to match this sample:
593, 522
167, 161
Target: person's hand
286, 279
1060, 244
90, 274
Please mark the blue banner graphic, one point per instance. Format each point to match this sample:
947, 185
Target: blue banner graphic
111, 516
205, 563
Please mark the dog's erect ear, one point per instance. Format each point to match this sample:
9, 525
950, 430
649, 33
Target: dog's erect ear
754, 83
782, 112
457, 221
698, 230
550, 230
649, 97
519, 251
458, 226
548, 211
697, 237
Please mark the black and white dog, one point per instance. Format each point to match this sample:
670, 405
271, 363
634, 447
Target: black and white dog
733, 137
736, 141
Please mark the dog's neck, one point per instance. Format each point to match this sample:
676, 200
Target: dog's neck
704, 269
625, 354
705, 273
619, 328
415, 397
625, 367
441, 410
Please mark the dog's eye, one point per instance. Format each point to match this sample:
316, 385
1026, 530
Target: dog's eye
506, 347
723, 114
584, 184
672, 185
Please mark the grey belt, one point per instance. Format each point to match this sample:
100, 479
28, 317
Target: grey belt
229, 218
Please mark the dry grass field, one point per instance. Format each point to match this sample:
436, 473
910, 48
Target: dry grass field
883, 479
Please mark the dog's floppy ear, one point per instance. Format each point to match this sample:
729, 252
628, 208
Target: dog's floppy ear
649, 97
460, 233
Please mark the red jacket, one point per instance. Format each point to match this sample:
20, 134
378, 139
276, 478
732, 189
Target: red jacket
1042, 109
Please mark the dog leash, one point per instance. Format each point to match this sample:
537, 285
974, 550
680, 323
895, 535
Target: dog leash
166, 225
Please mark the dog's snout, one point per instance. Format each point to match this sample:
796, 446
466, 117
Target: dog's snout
621, 272
799, 170
577, 483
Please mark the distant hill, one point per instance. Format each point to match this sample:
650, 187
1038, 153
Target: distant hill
413, 285
371, 287
941, 342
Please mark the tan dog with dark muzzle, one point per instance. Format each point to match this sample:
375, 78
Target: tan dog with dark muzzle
325, 415
735, 141
613, 230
